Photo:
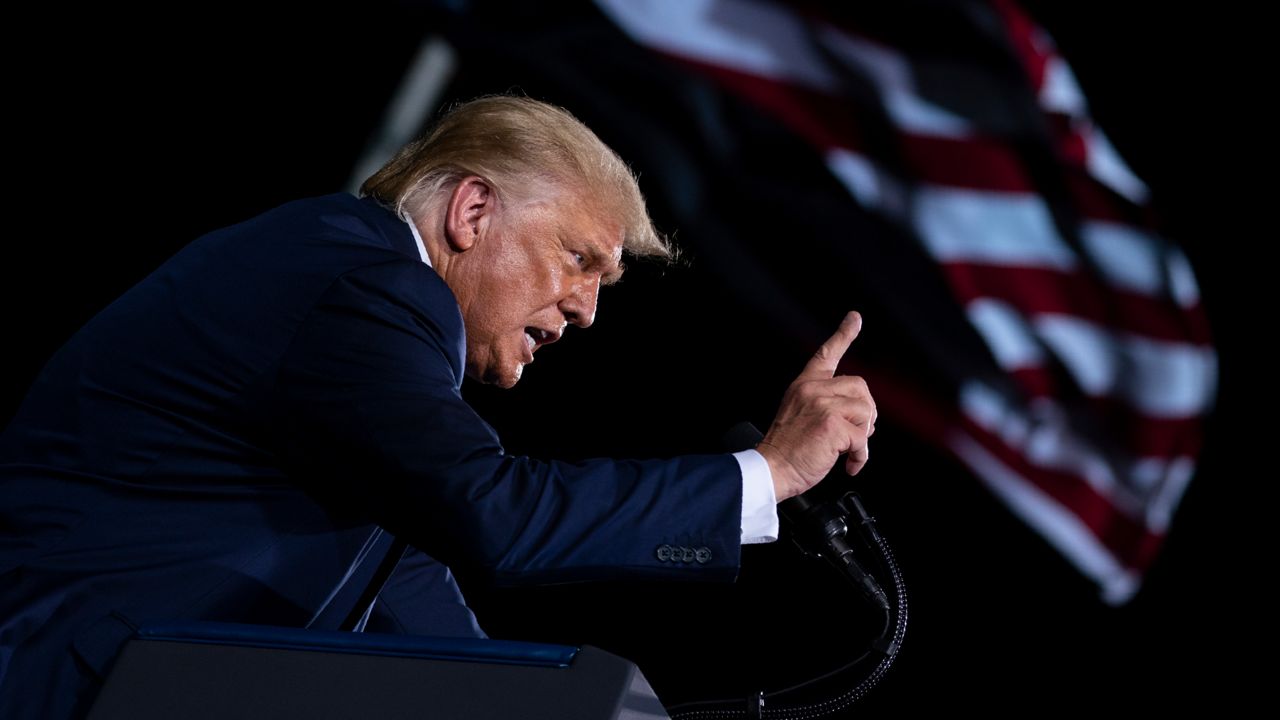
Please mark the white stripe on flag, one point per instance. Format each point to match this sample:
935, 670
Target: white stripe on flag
1131, 258
755, 38
1059, 525
1060, 93
1105, 164
773, 42
1145, 489
995, 228
989, 228
870, 185
1182, 279
1006, 333
892, 73
1167, 480
1156, 377
1043, 435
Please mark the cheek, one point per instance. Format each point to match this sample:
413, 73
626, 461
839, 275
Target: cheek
499, 311
511, 291
529, 292
495, 299
553, 283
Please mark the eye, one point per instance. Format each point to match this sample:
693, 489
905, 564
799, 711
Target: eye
578, 258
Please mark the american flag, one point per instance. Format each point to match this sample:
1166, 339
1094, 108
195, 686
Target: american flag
1084, 414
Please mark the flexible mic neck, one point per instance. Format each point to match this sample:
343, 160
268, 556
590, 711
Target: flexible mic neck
818, 528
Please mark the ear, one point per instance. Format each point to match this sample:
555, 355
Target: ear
471, 205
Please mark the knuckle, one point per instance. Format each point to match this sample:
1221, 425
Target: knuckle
826, 403
834, 424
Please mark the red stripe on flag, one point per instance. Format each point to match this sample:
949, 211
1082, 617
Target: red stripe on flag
1038, 382
980, 163
1129, 540
1098, 202
824, 120
977, 162
1037, 291
827, 121
1113, 423
1021, 32
1070, 141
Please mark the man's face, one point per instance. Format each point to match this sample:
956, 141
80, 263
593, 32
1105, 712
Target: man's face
535, 268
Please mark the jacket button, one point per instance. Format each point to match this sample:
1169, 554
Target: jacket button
702, 555
686, 554
664, 553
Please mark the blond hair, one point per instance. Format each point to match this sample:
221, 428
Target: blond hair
516, 144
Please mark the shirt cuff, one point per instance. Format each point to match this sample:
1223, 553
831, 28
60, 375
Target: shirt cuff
759, 504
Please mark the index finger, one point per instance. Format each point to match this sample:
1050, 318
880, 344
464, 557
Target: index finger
824, 362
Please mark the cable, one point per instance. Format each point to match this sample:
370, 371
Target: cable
885, 645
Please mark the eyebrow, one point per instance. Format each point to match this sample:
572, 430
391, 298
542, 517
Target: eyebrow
613, 276
610, 272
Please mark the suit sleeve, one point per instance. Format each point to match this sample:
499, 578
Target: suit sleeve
370, 413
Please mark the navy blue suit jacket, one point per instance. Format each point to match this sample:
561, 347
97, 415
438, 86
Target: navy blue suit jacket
234, 438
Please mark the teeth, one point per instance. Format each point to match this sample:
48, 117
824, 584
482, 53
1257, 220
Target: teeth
528, 338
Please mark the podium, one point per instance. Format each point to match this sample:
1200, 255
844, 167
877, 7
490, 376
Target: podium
215, 670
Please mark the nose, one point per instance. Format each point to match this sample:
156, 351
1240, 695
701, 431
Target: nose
579, 306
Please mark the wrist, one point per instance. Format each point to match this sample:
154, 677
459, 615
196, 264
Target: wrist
779, 470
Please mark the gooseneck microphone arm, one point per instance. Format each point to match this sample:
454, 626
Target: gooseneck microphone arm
821, 529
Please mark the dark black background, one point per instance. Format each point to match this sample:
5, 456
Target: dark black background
136, 132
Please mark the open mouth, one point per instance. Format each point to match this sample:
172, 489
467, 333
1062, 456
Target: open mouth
536, 337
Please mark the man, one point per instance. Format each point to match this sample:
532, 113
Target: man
237, 437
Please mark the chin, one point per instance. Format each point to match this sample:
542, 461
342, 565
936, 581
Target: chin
504, 375
505, 378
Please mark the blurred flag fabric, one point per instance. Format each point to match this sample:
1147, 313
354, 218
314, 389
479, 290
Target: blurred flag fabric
934, 163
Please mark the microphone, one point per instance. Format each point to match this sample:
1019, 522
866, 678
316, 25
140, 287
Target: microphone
818, 528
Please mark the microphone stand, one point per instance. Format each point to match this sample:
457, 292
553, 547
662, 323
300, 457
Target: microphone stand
821, 529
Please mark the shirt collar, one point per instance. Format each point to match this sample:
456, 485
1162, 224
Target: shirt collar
417, 237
